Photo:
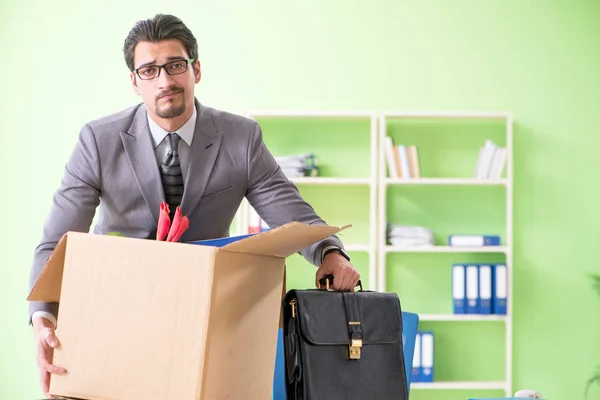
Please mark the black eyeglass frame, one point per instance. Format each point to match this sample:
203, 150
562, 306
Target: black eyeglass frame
160, 67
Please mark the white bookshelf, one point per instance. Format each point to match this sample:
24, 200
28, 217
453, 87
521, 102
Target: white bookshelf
462, 317
371, 181
461, 386
455, 183
444, 249
444, 181
333, 181
379, 183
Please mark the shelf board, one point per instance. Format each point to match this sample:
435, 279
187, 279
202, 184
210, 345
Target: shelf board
445, 181
357, 247
446, 249
459, 385
448, 114
462, 317
332, 181
309, 113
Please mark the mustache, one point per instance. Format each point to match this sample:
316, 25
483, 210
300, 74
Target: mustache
171, 90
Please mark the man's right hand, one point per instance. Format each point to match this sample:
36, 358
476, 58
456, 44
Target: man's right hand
45, 343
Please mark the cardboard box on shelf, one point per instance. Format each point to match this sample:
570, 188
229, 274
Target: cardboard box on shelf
153, 320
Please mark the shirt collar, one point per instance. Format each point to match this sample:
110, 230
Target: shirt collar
186, 132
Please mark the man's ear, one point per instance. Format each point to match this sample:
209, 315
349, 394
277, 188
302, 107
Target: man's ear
197, 71
134, 83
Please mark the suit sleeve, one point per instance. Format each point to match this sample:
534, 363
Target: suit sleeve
276, 199
73, 207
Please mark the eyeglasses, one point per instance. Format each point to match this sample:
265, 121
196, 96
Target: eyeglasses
173, 68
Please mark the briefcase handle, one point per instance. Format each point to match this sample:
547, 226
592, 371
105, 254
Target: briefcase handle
328, 280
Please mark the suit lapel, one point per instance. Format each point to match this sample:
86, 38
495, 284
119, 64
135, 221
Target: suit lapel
203, 154
140, 152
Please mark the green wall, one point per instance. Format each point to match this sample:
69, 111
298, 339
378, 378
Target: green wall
62, 66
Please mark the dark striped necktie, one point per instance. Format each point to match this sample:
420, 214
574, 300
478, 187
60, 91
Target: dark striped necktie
170, 171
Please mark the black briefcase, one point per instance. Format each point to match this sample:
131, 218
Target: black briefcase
343, 345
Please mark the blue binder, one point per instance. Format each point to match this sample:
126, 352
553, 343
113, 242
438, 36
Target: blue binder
410, 326
500, 278
485, 288
279, 376
427, 356
474, 240
472, 287
459, 291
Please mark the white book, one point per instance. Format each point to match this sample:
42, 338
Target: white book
405, 167
388, 147
498, 163
485, 162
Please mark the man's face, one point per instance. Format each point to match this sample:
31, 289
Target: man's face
165, 96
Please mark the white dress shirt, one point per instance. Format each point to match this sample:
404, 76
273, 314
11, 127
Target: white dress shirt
161, 146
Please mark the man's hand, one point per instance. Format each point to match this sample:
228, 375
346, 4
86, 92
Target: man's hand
345, 276
45, 343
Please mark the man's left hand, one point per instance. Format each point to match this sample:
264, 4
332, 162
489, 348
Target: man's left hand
345, 276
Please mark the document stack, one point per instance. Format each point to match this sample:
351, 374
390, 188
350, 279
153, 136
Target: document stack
297, 166
404, 236
479, 288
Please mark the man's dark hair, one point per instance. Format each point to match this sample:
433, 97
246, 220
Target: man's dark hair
161, 27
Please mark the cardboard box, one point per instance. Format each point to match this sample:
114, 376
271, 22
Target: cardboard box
143, 319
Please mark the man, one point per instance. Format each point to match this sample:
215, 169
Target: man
170, 147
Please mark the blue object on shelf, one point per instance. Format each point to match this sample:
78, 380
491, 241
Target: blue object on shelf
410, 326
279, 378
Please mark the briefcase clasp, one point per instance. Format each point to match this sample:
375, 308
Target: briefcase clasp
293, 305
354, 349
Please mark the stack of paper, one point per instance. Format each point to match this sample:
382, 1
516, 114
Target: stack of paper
409, 236
299, 165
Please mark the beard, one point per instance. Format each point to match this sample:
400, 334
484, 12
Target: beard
170, 109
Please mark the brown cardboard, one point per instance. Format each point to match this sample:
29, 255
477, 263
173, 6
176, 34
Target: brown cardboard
142, 319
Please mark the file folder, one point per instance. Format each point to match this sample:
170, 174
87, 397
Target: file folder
220, 242
473, 240
416, 364
427, 352
485, 289
279, 373
500, 289
410, 325
472, 284
458, 289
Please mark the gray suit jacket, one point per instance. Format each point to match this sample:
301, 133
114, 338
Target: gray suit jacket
113, 165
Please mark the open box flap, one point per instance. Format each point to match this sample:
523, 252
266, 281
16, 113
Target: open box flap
284, 240
47, 287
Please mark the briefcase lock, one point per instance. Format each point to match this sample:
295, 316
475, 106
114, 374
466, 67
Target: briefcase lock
354, 349
293, 305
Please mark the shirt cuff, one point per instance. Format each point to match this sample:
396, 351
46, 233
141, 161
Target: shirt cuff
44, 314
326, 249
